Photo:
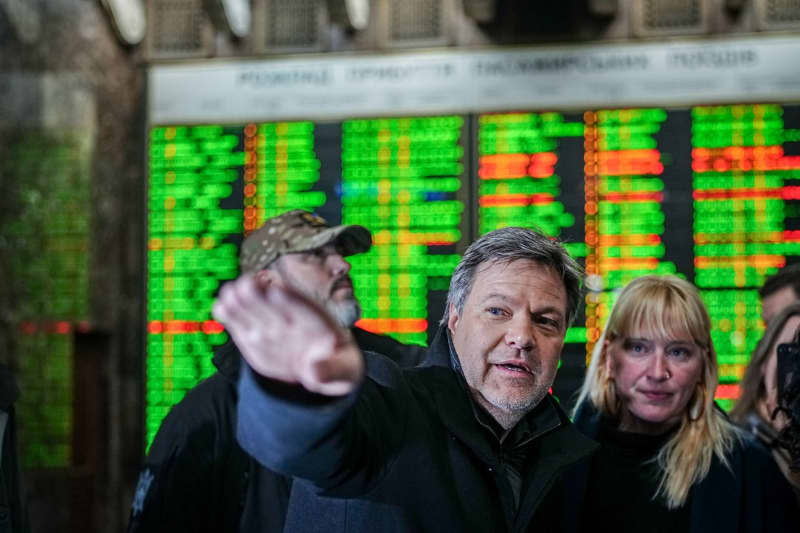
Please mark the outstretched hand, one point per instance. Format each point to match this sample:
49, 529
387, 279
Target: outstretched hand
285, 336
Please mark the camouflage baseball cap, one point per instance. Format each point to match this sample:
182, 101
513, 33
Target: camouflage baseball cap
298, 231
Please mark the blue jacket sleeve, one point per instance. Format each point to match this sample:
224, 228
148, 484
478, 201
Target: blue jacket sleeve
342, 444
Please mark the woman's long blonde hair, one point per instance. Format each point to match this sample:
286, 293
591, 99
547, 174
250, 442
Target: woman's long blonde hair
752, 385
669, 307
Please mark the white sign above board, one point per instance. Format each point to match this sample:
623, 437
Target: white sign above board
335, 86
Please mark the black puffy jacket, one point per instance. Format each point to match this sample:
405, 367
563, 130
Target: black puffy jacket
197, 478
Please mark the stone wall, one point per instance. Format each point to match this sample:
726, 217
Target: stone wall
71, 172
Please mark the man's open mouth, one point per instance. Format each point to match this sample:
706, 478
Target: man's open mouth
520, 367
343, 283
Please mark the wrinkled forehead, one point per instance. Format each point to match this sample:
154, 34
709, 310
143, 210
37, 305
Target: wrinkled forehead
497, 266
514, 272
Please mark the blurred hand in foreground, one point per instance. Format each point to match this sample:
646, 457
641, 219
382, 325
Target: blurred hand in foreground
285, 336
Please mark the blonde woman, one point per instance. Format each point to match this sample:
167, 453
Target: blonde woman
669, 458
759, 388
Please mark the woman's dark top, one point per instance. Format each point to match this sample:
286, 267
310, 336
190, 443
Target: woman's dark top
623, 480
749, 495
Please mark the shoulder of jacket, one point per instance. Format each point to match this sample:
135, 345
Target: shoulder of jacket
206, 412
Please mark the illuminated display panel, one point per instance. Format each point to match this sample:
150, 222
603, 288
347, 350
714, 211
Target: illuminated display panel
193, 173
281, 167
400, 177
212, 184
629, 189
597, 143
625, 220
745, 165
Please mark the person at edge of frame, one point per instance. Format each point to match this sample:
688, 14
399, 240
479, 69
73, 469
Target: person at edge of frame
780, 290
756, 409
14, 516
196, 477
470, 441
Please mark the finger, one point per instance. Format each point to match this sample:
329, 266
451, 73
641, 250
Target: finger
337, 375
247, 303
341, 371
248, 311
249, 320
337, 369
228, 307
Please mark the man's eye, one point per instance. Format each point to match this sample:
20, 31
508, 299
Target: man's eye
494, 311
547, 321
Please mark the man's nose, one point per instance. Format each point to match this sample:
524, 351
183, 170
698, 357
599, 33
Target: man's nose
520, 334
337, 264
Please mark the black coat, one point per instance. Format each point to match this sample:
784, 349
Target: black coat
750, 497
403, 453
196, 477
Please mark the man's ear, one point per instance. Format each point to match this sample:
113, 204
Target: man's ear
452, 319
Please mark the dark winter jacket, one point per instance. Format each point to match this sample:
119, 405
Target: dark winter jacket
405, 452
751, 496
196, 477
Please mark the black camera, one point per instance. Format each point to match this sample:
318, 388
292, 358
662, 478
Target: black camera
788, 377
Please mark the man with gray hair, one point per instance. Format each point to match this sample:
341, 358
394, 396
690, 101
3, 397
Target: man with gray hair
470, 442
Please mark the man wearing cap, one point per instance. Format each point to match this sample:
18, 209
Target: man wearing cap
196, 477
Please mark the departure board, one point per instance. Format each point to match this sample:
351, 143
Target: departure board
745, 167
210, 185
193, 171
709, 193
400, 179
625, 215
281, 167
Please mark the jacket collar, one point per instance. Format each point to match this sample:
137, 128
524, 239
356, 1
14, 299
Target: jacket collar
228, 360
560, 444
439, 350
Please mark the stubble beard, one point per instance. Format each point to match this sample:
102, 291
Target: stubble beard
345, 313
508, 410
520, 404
